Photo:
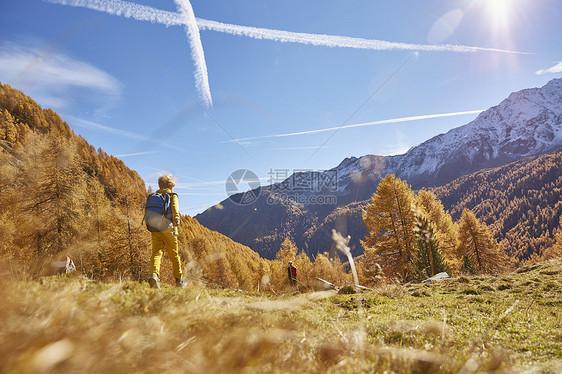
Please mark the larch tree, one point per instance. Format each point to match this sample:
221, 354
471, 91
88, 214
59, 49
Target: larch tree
287, 252
324, 268
477, 243
443, 227
8, 131
279, 276
305, 268
56, 182
556, 250
390, 221
369, 270
11, 254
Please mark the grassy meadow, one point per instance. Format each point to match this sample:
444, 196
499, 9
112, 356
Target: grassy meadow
510, 323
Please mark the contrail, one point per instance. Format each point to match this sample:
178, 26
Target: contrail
201, 76
382, 122
334, 40
135, 154
146, 13
126, 9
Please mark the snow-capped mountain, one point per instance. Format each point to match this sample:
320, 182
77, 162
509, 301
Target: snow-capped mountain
527, 123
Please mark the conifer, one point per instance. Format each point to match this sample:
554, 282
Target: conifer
323, 268
427, 260
477, 243
305, 269
442, 224
467, 266
390, 222
556, 250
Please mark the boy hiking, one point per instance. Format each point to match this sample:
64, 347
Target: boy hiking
162, 219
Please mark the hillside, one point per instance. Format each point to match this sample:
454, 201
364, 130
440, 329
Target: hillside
60, 197
527, 123
503, 324
521, 202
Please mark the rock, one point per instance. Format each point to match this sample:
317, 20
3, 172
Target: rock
437, 277
347, 290
325, 285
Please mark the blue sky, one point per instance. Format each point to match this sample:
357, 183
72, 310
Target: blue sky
182, 94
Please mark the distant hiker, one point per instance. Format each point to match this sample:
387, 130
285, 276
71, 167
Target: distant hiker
162, 220
292, 272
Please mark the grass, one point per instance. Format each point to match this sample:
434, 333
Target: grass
506, 324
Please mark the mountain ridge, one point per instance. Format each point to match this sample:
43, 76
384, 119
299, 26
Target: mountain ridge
526, 123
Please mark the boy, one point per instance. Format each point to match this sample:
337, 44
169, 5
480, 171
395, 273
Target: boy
168, 238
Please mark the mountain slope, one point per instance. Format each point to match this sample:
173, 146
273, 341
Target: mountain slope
521, 202
60, 197
527, 123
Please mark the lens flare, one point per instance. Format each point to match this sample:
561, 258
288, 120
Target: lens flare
500, 11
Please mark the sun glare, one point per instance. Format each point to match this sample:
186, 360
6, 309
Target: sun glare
499, 11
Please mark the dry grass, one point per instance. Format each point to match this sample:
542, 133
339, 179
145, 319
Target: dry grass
510, 323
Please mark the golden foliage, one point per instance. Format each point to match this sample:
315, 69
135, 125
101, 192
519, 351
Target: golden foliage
390, 219
476, 242
390, 222
520, 202
445, 230
556, 250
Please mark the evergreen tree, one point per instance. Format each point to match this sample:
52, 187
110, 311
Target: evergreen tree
477, 243
467, 266
390, 222
427, 260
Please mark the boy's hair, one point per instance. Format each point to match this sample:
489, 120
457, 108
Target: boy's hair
166, 181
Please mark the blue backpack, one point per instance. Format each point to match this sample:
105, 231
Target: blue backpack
157, 212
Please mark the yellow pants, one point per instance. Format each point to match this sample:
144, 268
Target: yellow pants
169, 240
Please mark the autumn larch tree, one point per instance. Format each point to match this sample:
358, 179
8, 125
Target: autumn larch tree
444, 229
477, 243
55, 200
324, 268
305, 269
390, 222
279, 278
556, 250
287, 252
